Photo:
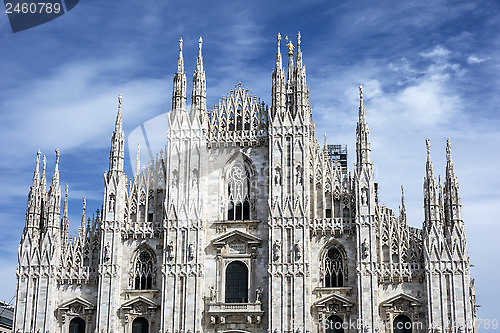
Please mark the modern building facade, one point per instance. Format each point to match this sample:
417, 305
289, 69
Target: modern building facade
245, 224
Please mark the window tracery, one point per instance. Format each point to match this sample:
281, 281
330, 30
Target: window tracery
334, 265
143, 270
239, 193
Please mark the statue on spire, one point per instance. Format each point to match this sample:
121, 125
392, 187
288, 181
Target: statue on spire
180, 43
290, 46
120, 98
360, 91
428, 145
448, 147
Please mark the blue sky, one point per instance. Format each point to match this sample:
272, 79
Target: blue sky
430, 70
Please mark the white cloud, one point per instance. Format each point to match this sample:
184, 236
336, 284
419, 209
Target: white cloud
437, 52
472, 59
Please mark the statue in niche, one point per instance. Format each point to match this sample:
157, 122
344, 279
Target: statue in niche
298, 251
107, 254
258, 294
364, 196
277, 248
212, 294
298, 175
277, 176
364, 249
112, 202
191, 251
170, 250
194, 183
175, 178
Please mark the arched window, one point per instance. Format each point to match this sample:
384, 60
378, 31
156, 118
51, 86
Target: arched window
402, 324
143, 270
236, 282
77, 325
334, 268
140, 325
238, 193
334, 324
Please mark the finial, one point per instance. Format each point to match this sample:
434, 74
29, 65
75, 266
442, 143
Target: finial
325, 141
279, 39
138, 160
298, 40
37, 158
44, 164
66, 194
360, 91
448, 148
290, 46
402, 195
84, 204
120, 98
200, 42
180, 44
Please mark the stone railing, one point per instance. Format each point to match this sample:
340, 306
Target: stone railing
335, 225
234, 307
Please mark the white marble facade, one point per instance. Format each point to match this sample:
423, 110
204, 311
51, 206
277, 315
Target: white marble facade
244, 224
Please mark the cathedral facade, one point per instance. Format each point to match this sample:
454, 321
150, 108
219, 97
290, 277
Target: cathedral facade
244, 224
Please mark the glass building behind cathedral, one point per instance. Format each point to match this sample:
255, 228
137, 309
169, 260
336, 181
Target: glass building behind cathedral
244, 224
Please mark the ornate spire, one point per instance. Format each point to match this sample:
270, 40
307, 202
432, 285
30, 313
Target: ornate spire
36, 174
450, 169
117, 153
65, 209
138, 160
55, 176
179, 86
83, 212
299, 52
278, 89
199, 60
279, 61
199, 93
325, 148
65, 220
291, 67
363, 149
429, 168
362, 113
43, 180
119, 120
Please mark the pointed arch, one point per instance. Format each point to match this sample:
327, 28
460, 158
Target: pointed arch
143, 268
239, 181
333, 265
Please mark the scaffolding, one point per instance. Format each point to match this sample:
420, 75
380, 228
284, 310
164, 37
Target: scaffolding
338, 153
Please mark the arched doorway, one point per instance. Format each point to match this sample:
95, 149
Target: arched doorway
334, 324
236, 283
140, 325
77, 325
402, 324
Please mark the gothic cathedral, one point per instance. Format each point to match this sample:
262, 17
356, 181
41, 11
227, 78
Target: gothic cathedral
244, 224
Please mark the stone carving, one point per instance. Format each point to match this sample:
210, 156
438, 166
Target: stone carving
258, 295
277, 176
107, 252
276, 249
191, 253
170, 250
298, 251
212, 294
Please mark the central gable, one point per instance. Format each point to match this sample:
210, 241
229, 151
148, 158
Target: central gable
239, 117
